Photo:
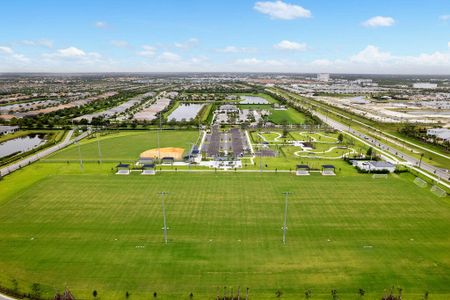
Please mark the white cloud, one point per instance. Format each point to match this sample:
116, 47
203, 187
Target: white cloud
169, 57
190, 43
373, 60
234, 49
253, 61
38, 43
248, 61
119, 43
282, 10
6, 50
148, 51
292, 46
379, 21
371, 54
10, 54
71, 52
101, 24
444, 18
322, 62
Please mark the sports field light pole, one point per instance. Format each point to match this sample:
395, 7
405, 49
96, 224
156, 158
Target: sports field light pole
191, 145
164, 215
79, 154
99, 150
159, 131
286, 194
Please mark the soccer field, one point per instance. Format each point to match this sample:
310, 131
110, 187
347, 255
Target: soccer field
92, 230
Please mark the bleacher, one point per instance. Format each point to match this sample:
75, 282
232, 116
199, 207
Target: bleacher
123, 169
148, 169
328, 170
123, 172
148, 172
302, 170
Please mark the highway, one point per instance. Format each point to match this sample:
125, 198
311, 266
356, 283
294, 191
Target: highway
35, 157
438, 172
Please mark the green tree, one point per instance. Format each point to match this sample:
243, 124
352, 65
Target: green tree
340, 137
14, 285
36, 290
361, 292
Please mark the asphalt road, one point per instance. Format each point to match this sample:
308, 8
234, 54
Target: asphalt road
438, 172
32, 158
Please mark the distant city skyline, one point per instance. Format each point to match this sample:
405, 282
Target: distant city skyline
373, 37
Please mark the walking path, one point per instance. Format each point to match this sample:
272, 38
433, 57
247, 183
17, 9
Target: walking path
394, 154
4, 297
35, 157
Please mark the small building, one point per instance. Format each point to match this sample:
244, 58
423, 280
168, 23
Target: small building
302, 170
146, 161
425, 85
328, 170
123, 169
8, 129
148, 169
229, 108
324, 77
168, 160
372, 165
439, 133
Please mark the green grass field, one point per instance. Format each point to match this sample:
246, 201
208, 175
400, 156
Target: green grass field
126, 146
291, 116
94, 230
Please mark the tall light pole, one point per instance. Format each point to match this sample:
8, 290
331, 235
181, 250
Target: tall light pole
286, 194
164, 215
159, 132
99, 150
79, 154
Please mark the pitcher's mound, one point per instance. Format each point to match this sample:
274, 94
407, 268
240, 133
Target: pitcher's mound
176, 153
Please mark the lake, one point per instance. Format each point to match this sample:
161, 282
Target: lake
22, 144
185, 111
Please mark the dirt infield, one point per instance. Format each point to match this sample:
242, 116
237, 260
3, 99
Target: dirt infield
176, 153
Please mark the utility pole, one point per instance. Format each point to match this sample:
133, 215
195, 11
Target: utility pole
99, 150
159, 132
286, 194
260, 160
79, 154
164, 215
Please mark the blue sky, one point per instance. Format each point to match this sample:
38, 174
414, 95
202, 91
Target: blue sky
370, 36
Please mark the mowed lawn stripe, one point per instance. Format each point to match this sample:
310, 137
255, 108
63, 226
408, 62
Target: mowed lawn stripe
104, 232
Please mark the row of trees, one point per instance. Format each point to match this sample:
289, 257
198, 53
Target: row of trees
392, 293
420, 133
